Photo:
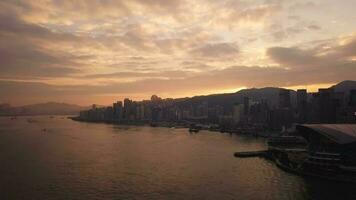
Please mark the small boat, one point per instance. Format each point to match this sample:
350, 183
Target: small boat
153, 124
194, 129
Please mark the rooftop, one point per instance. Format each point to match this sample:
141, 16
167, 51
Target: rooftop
339, 133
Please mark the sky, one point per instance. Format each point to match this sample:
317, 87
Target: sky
101, 51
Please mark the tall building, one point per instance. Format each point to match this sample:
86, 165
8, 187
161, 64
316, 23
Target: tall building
140, 111
282, 117
246, 105
202, 109
108, 113
238, 113
352, 98
284, 98
327, 107
259, 113
118, 111
129, 109
302, 102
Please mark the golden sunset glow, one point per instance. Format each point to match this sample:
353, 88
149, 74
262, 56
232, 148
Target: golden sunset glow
96, 51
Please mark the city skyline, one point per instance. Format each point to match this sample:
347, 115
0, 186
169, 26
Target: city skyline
148, 98
86, 52
274, 109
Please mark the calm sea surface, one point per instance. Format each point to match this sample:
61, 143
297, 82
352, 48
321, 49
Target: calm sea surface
73, 160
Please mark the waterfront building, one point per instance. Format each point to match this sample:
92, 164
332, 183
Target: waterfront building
238, 113
226, 120
302, 102
258, 114
331, 149
352, 98
202, 109
246, 106
214, 112
140, 112
284, 99
129, 109
109, 114
280, 119
118, 111
327, 108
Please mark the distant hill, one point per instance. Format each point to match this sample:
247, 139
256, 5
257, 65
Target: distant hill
345, 86
270, 94
50, 108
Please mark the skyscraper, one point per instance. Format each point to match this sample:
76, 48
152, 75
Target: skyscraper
302, 102
118, 111
327, 108
246, 105
352, 98
284, 99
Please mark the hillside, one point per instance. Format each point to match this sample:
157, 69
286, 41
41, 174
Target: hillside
270, 94
345, 86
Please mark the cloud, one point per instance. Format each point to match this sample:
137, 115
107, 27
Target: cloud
291, 56
145, 46
329, 55
257, 13
68, 12
23, 54
217, 50
141, 75
302, 5
314, 27
232, 77
293, 29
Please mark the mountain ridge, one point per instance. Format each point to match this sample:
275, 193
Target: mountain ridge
271, 94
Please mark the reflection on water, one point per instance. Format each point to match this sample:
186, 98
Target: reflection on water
73, 160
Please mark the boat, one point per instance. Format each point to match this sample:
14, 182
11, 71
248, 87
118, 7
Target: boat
152, 124
194, 128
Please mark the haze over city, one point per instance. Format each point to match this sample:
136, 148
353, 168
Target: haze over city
93, 51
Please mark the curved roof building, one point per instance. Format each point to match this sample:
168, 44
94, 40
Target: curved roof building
337, 133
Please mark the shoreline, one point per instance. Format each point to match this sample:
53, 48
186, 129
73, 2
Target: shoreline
187, 125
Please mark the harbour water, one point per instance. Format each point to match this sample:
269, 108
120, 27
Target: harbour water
57, 158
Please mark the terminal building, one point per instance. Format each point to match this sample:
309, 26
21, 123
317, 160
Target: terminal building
331, 144
330, 152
